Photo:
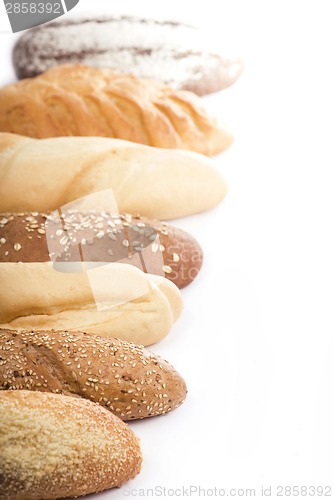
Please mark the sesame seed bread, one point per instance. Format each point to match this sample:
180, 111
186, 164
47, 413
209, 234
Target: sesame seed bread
78, 100
111, 300
43, 175
54, 446
152, 246
130, 381
168, 51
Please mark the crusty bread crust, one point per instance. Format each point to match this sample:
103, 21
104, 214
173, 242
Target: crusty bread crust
54, 446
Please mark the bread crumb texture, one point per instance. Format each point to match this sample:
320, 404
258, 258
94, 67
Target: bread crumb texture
54, 446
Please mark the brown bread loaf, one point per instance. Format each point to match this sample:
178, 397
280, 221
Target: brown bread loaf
153, 246
130, 381
54, 446
77, 100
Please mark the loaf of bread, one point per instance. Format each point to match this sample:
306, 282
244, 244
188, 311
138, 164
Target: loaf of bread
153, 246
127, 379
113, 300
75, 100
54, 446
168, 51
41, 175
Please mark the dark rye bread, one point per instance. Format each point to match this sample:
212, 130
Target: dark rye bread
153, 246
169, 51
130, 381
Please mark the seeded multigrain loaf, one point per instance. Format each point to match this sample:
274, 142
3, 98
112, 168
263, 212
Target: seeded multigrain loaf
162, 184
54, 446
153, 246
77, 100
130, 381
168, 51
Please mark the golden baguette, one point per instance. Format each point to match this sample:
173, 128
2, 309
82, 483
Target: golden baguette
78, 100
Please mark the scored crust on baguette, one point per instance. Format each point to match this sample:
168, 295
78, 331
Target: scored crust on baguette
153, 246
115, 300
43, 175
130, 381
54, 446
78, 100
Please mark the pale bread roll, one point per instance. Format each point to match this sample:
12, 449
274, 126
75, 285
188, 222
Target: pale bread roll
54, 446
131, 305
45, 174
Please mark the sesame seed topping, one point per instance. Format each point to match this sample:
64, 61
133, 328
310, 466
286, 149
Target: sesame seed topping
175, 257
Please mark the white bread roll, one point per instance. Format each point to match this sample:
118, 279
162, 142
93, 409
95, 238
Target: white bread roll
45, 174
55, 446
114, 300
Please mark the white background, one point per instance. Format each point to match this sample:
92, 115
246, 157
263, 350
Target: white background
254, 341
